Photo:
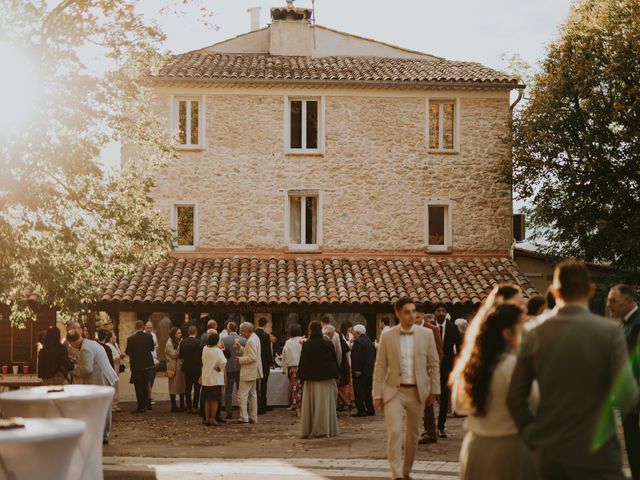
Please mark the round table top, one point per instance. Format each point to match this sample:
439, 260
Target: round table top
69, 392
42, 429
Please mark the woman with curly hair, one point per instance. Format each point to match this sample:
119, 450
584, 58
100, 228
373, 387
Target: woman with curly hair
492, 447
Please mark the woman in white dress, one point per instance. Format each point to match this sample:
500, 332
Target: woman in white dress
492, 447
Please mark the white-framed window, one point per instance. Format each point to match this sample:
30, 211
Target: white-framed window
303, 220
188, 118
304, 124
443, 124
184, 222
438, 225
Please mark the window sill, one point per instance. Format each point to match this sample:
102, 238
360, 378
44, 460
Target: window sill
184, 248
443, 152
304, 249
444, 250
190, 149
304, 154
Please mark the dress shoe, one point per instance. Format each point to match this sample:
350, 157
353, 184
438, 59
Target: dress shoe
221, 420
371, 414
261, 412
359, 415
425, 439
252, 421
139, 410
175, 409
442, 433
242, 422
269, 409
229, 416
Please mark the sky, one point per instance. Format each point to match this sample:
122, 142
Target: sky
473, 30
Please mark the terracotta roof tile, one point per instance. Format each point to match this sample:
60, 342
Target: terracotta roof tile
249, 280
210, 66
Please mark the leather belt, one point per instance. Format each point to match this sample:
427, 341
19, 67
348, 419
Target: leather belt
407, 385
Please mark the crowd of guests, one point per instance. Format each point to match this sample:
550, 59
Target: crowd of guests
538, 380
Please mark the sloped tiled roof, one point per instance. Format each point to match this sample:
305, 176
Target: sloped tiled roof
313, 281
207, 66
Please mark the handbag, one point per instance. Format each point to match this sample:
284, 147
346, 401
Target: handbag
170, 374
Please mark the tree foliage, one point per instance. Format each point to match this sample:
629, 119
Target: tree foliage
67, 226
576, 142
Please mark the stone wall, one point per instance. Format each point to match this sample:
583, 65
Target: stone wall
375, 174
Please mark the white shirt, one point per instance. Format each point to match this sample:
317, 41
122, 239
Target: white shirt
213, 357
291, 353
223, 334
408, 376
385, 330
628, 315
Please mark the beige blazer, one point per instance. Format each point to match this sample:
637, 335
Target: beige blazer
250, 362
426, 363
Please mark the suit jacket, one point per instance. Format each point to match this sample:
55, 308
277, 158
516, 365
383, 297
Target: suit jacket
228, 341
191, 353
265, 348
387, 373
579, 360
451, 344
632, 335
363, 356
250, 360
94, 365
436, 336
139, 348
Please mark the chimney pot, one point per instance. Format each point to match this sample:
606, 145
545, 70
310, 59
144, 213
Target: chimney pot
255, 17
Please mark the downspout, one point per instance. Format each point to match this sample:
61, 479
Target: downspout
511, 107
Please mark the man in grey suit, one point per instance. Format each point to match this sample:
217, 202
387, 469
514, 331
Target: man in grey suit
95, 369
233, 367
580, 363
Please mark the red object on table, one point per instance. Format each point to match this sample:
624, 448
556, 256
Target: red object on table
5, 369
25, 369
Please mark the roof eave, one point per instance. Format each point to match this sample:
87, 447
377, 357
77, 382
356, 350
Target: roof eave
427, 84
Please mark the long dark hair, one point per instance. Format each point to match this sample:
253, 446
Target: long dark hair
172, 336
52, 337
315, 329
484, 346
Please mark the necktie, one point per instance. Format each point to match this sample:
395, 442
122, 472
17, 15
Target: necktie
441, 331
402, 332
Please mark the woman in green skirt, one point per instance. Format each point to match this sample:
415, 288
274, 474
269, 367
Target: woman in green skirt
318, 369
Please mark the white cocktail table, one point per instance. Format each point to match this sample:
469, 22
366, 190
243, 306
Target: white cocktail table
89, 403
42, 450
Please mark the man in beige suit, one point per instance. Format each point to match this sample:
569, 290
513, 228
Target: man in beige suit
405, 379
250, 372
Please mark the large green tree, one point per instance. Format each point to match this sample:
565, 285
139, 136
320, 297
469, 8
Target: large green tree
68, 225
576, 141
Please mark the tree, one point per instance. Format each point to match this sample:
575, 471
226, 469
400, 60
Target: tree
576, 142
67, 226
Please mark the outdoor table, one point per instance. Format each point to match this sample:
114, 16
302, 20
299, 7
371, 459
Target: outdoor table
277, 389
89, 403
42, 450
13, 382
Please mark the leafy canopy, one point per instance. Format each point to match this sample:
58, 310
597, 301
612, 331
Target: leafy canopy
68, 226
576, 142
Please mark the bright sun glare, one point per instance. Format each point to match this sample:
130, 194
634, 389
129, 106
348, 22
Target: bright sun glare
17, 88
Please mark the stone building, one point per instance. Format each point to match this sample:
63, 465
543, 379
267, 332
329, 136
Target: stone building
325, 173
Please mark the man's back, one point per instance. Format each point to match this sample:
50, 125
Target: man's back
363, 355
95, 364
139, 348
579, 361
190, 352
228, 341
265, 347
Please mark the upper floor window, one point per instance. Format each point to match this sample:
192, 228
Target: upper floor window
442, 123
304, 222
188, 115
438, 226
184, 225
304, 125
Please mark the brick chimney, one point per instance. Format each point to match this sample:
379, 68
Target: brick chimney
290, 32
